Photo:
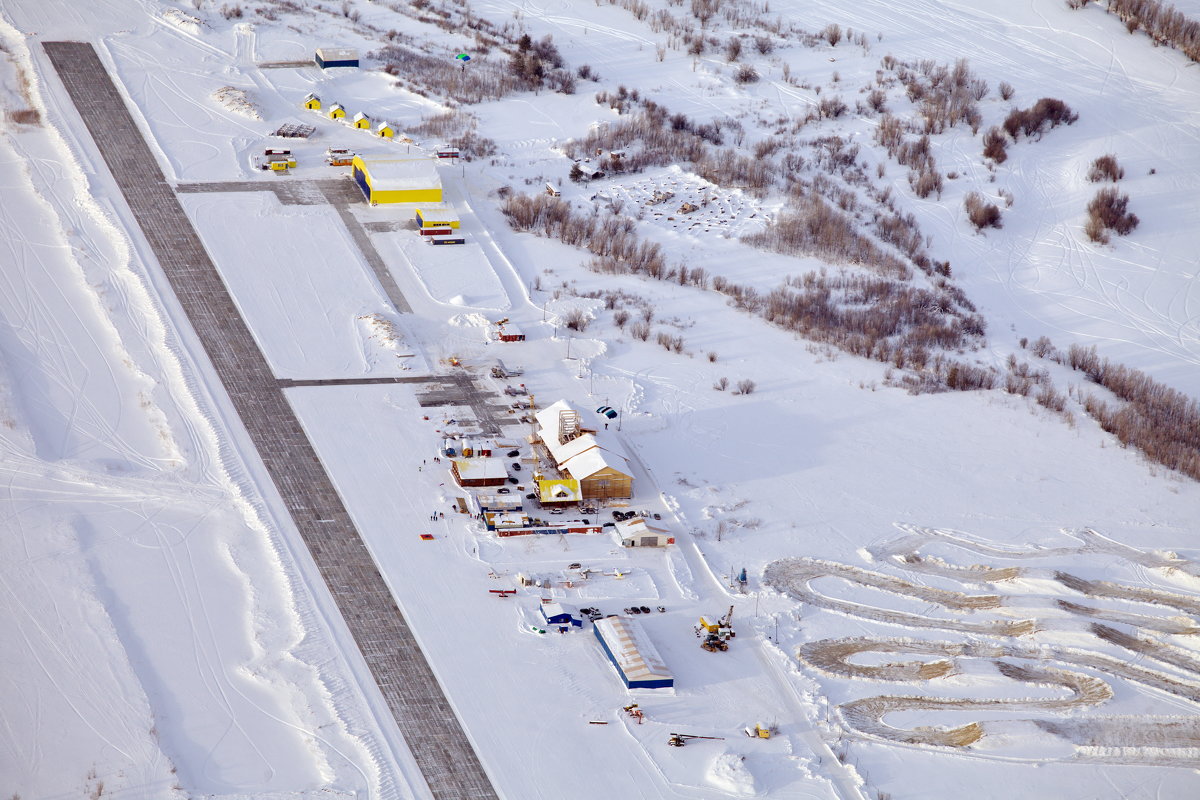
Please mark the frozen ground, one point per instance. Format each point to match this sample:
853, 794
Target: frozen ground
1037, 580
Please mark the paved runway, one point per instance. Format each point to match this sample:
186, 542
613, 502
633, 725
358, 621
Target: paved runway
448, 762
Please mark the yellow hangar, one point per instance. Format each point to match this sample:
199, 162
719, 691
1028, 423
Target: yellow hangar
398, 180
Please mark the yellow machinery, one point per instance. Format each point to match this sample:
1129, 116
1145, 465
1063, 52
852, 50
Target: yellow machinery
722, 627
759, 731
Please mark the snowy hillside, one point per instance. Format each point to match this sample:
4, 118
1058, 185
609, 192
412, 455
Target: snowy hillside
830, 263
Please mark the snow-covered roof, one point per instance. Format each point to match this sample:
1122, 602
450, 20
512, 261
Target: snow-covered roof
593, 460
337, 54
360, 115
480, 468
437, 212
632, 649
551, 610
558, 490
401, 173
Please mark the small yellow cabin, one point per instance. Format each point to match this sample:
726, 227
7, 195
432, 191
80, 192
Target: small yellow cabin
385, 131
361, 121
336, 111
312, 102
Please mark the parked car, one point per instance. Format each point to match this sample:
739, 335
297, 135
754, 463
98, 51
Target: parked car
516, 467
513, 479
503, 490
514, 453
556, 511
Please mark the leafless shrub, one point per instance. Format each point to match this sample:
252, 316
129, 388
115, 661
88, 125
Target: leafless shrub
1047, 111
926, 182
1006, 90
24, 116
764, 45
576, 320
1160, 421
721, 384
640, 330
472, 146
1051, 399
712, 356
1108, 211
745, 386
232, 12
1105, 168
669, 341
981, 213
832, 33
877, 100
733, 48
831, 107
427, 74
1075, 5
746, 74
810, 226
890, 133
620, 317
1163, 23
1042, 347
586, 73
995, 145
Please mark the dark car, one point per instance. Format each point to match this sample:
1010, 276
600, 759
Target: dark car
514, 453
513, 479
503, 490
516, 467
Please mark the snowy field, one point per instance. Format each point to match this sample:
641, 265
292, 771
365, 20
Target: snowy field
947, 594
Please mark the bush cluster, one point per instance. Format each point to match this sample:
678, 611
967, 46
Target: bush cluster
981, 213
1105, 168
1047, 112
1160, 421
875, 316
1162, 22
995, 145
1108, 211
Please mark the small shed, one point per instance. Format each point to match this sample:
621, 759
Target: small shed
447, 151
443, 239
336, 57
437, 216
557, 614
632, 653
498, 502
385, 131
636, 533
552, 190
501, 521
479, 471
507, 332
361, 121
337, 111
312, 102
398, 180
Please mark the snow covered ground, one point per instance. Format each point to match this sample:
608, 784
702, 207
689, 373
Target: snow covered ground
171, 635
